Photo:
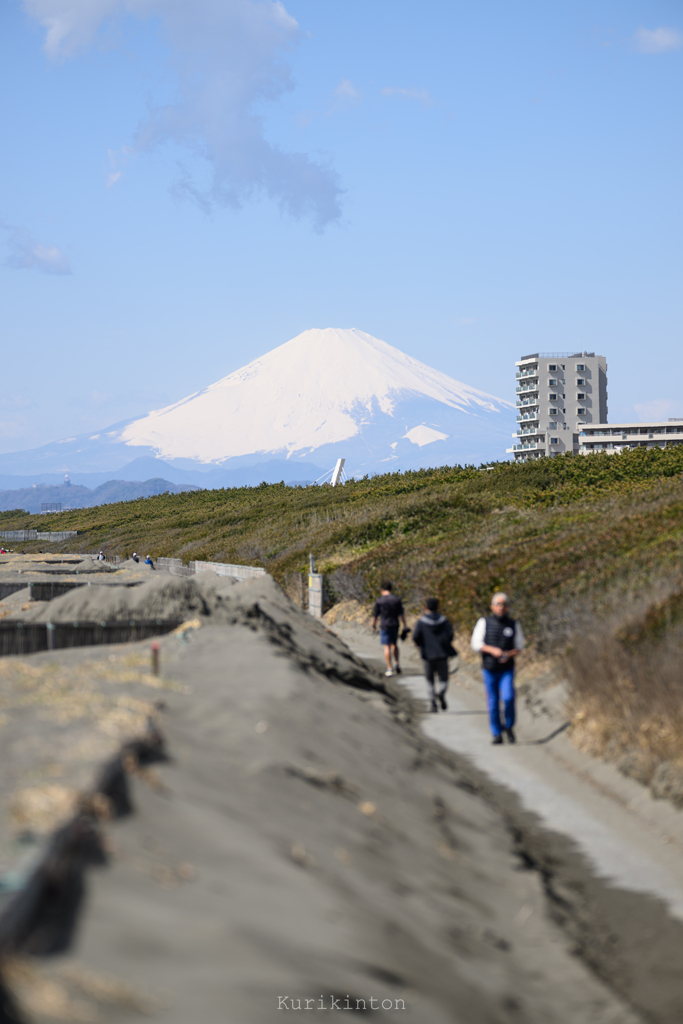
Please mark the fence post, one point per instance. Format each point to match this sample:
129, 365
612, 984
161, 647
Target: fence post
315, 594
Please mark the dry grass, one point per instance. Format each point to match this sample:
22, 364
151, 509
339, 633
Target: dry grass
626, 699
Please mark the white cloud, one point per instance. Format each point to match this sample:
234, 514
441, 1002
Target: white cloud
410, 94
347, 90
229, 57
658, 40
10, 400
114, 172
656, 410
28, 254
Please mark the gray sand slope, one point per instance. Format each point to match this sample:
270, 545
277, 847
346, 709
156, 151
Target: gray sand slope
307, 841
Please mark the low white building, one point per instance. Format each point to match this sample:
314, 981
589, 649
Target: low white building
616, 437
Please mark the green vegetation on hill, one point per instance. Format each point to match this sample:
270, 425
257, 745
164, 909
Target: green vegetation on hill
590, 548
545, 530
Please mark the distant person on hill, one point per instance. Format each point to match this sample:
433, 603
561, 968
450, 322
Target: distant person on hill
100, 557
136, 557
149, 562
389, 609
433, 634
498, 638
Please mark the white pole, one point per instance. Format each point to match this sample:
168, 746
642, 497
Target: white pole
336, 475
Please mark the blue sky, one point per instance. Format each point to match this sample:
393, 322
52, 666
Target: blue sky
186, 185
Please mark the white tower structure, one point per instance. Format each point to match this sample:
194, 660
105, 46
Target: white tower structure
337, 472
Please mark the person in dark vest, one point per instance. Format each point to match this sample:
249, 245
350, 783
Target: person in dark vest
389, 609
498, 638
433, 634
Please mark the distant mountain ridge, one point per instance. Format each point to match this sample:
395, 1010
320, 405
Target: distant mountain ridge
326, 393
75, 496
145, 466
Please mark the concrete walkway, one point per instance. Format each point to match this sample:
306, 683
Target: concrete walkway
631, 839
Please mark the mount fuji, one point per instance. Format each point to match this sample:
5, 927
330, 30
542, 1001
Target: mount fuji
324, 394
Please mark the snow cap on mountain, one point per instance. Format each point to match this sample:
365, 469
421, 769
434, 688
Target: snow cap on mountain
321, 388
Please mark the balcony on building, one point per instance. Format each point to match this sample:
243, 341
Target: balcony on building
526, 447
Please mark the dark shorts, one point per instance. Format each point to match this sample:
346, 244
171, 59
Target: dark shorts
436, 666
388, 637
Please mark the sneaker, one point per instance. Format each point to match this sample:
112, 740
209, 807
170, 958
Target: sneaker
398, 670
510, 735
442, 701
497, 741
389, 672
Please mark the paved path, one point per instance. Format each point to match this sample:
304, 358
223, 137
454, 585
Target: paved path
630, 838
621, 845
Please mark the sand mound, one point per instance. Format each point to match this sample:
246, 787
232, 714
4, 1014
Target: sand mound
160, 597
305, 841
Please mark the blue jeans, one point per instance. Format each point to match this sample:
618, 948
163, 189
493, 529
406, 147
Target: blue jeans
500, 686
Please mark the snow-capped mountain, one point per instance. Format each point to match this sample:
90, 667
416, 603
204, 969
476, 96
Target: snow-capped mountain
324, 394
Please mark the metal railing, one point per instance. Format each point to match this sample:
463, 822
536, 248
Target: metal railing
560, 355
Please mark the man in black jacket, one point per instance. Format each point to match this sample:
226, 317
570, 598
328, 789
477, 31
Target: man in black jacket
433, 634
499, 638
389, 610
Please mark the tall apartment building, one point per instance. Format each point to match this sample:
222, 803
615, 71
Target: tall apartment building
558, 394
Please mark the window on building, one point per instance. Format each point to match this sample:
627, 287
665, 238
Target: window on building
552, 426
552, 398
552, 382
554, 440
580, 412
562, 367
580, 367
552, 412
580, 381
580, 397
552, 367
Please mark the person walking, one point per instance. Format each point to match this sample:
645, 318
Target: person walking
149, 562
389, 610
498, 638
433, 634
136, 557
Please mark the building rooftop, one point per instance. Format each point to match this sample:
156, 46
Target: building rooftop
557, 355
